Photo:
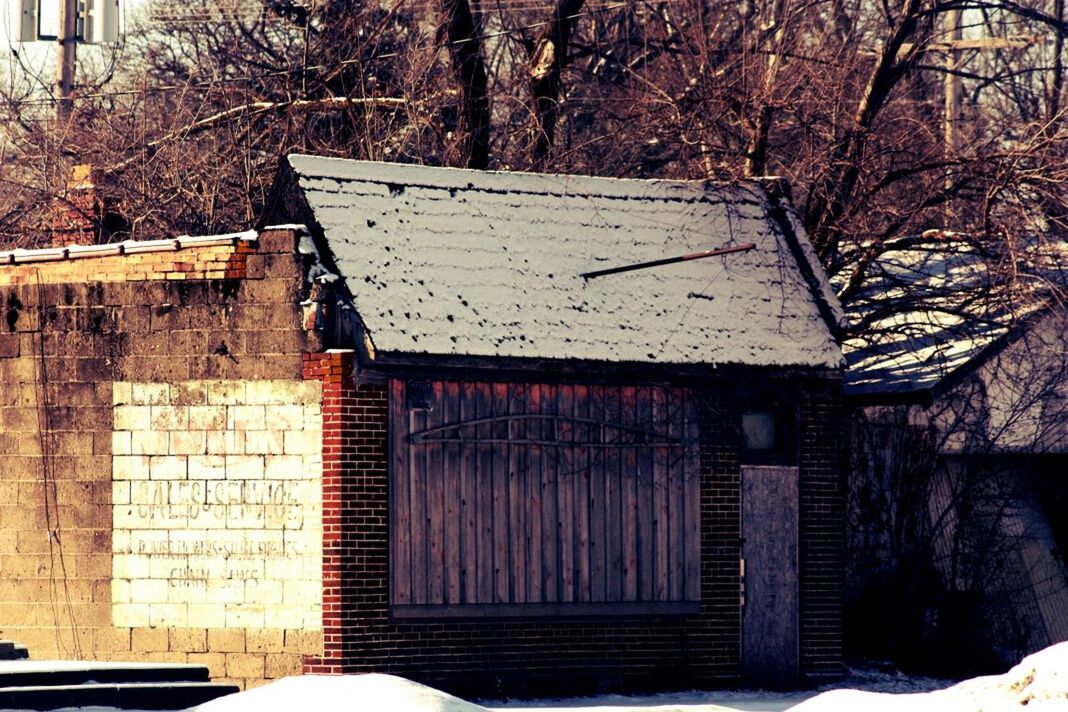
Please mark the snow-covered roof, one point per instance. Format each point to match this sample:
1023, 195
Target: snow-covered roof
937, 303
465, 263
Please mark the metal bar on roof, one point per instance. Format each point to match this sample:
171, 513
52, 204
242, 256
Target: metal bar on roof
669, 260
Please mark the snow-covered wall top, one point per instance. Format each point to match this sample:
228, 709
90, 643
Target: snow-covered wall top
464, 263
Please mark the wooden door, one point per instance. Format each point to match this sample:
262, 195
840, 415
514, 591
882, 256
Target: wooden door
770, 632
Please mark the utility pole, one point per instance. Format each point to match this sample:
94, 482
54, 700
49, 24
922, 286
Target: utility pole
954, 47
88, 21
66, 58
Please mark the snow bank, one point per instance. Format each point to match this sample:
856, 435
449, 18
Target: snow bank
327, 693
1040, 682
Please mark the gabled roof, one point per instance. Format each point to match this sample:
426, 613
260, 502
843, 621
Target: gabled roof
465, 263
937, 305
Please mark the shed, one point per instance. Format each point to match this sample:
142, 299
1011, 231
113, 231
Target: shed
408, 431
628, 478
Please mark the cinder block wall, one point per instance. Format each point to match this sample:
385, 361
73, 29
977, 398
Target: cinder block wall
160, 460
565, 655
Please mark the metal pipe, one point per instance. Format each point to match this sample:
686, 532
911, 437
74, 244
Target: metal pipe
669, 260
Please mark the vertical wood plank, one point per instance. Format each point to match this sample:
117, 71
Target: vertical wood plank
675, 462
532, 496
646, 501
662, 543
692, 496
632, 490
468, 501
435, 493
515, 467
420, 512
566, 495
484, 495
503, 528
612, 459
451, 484
400, 512
595, 464
582, 497
550, 545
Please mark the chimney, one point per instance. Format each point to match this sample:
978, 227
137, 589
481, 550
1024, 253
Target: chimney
77, 214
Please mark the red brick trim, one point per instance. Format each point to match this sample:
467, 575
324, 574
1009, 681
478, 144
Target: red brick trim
334, 370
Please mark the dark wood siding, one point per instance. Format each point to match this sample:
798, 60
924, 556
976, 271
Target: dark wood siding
541, 497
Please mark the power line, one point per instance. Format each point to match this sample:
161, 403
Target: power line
319, 67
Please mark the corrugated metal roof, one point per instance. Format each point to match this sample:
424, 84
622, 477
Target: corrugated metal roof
466, 263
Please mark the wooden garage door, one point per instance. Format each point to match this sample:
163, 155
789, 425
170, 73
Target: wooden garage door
542, 498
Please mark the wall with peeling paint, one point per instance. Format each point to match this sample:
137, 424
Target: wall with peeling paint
143, 383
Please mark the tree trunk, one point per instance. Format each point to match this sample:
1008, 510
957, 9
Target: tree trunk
833, 197
463, 29
546, 62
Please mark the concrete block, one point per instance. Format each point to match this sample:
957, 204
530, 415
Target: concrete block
246, 417
146, 442
212, 615
120, 591
130, 566
226, 442
188, 442
245, 615
188, 640
304, 642
121, 393
282, 665
149, 640
215, 662
148, 590
121, 443
264, 442
150, 393
225, 640
226, 392
207, 417
310, 393
109, 639
244, 467
169, 417
168, 614
300, 442
285, 417
168, 467
245, 665
130, 467
283, 467
207, 467
189, 393
265, 641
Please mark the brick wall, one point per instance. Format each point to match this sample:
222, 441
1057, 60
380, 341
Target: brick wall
822, 531
568, 655
104, 355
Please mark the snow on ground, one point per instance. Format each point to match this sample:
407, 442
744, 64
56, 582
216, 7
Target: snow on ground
1040, 682
368, 693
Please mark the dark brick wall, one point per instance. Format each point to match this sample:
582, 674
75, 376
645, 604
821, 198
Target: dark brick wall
822, 532
565, 655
